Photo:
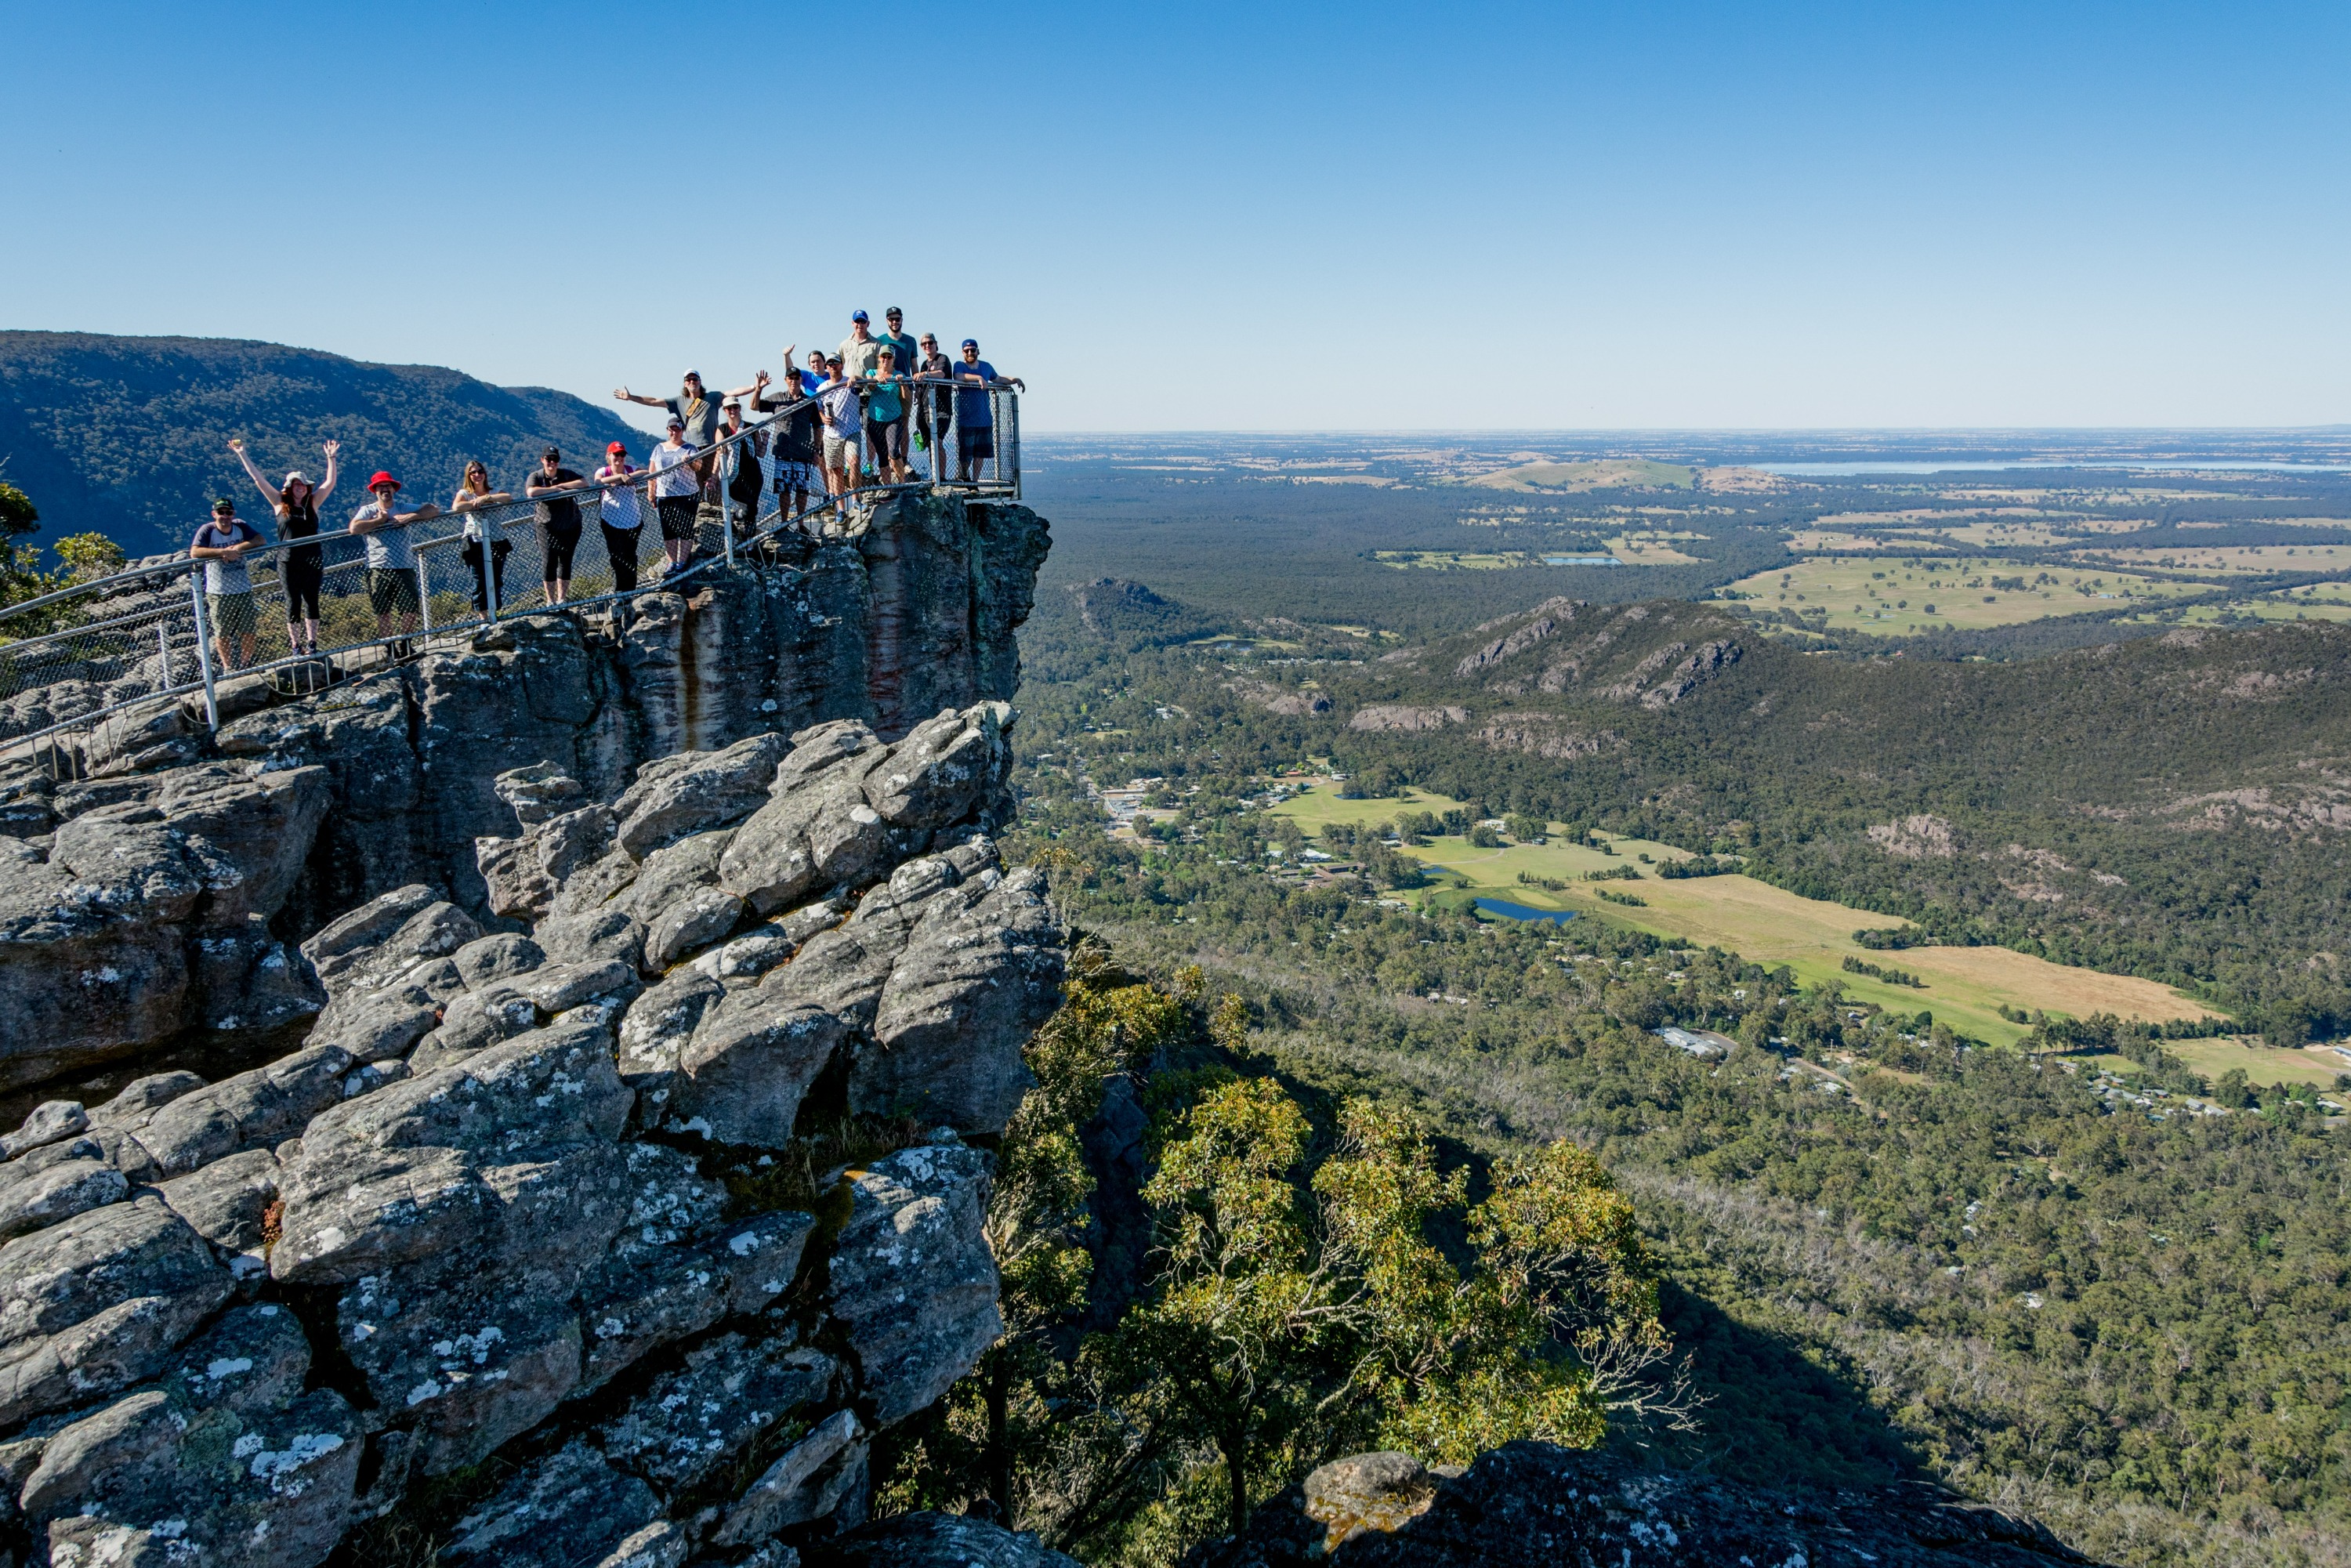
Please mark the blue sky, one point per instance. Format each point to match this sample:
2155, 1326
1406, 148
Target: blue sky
1246, 216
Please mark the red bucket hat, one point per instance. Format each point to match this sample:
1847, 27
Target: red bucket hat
381, 479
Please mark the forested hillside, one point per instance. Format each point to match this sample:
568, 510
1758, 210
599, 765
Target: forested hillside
2091, 1292
129, 436
2176, 807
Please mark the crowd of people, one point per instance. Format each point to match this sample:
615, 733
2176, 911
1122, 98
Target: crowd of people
881, 410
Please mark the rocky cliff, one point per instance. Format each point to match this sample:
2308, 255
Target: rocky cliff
1531, 1505
155, 894
632, 1012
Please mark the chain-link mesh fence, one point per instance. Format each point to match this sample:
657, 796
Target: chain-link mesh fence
70, 659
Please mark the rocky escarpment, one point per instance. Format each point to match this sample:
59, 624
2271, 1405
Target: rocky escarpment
1531, 1505
525, 1098
514, 1196
159, 875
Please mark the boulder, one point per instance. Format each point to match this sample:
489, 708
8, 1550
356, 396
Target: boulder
1366, 1492
227, 1445
712, 790
592, 937
141, 1098
677, 871
98, 1301
939, 772
50, 1121
704, 917
251, 1110
465, 1350
818, 833
55, 1183
742, 1072
570, 1509
812, 1478
912, 1282
731, 1392
980, 971
228, 1202
509, 1150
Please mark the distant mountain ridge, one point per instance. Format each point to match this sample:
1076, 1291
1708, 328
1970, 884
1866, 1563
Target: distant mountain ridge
129, 436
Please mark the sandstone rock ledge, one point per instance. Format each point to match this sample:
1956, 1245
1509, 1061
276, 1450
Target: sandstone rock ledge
502, 1202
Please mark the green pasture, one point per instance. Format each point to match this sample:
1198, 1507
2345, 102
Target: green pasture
1965, 986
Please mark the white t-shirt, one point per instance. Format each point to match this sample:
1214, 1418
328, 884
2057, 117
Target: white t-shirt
845, 411
480, 525
620, 508
670, 475
388, 549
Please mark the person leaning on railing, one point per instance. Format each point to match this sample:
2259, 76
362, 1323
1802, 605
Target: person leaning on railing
677, 493
483, 532
553, 486
391, 561
697, 410
620, 515
746, 481
974, 421
222, 545
938, 406
302, 570
792, 440
844, 421
885, 418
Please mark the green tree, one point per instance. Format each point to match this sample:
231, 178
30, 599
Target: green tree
1240, 1305
21, 577
89, 556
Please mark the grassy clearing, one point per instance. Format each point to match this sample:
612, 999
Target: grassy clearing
1965, 986
2316, 1065
2227, 561
1903, 597
1651, 548
1607, 474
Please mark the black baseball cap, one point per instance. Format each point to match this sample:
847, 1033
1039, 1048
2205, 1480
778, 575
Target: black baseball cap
550, 452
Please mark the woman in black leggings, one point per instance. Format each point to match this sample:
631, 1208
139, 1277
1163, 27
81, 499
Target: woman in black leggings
303, 569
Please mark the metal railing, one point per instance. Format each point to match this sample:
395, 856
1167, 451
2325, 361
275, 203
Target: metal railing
72, 659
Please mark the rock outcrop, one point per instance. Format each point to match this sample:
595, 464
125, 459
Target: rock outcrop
1404, 716
151, 896
480, 1209
512, 1201
1531, 1505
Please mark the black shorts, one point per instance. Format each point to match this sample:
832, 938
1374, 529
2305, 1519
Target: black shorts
885, 441
620, 551
391, 590
974, 442
677, 514
302, 575
557, 546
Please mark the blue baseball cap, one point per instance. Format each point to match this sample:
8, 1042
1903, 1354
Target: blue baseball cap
971, 342
859, 316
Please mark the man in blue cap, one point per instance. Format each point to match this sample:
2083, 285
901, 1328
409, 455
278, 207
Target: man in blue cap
861, 351
975, 418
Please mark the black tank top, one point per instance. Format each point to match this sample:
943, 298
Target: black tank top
301, 523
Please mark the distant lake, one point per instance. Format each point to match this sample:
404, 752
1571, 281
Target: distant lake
1509, 911
1826, 470
1581, 560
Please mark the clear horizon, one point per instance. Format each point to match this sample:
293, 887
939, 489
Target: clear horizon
1691, 217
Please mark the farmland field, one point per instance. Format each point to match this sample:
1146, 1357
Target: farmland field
1899, 597
1965, 986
